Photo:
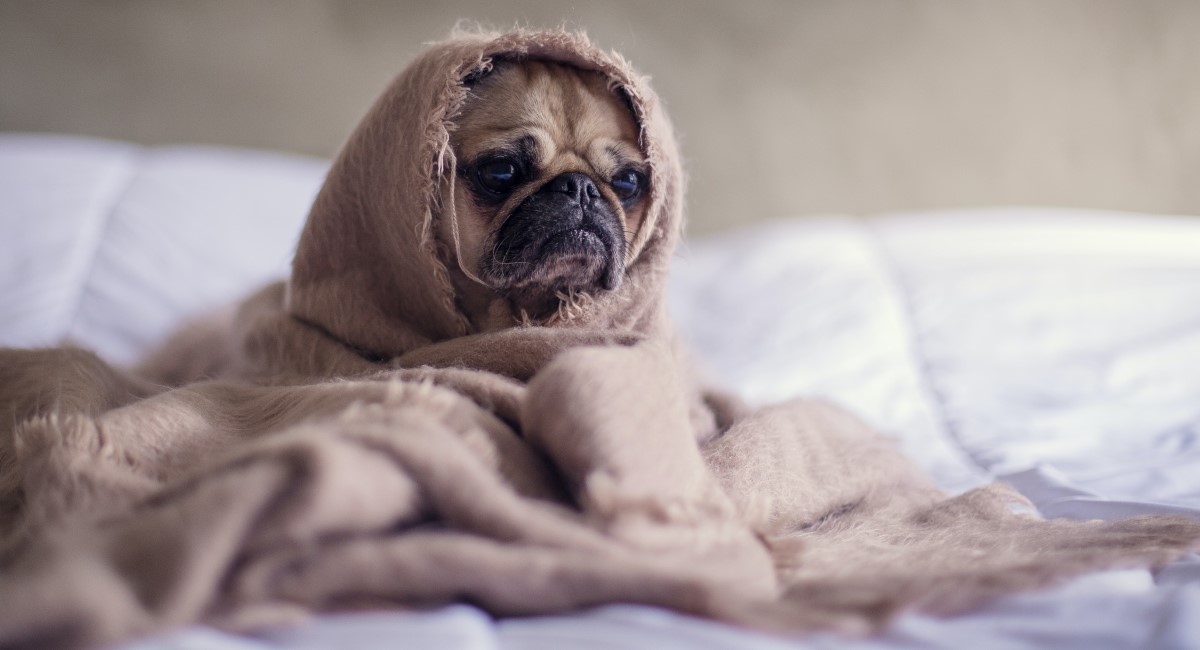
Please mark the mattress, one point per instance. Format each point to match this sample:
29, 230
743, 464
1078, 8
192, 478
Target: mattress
1053, 349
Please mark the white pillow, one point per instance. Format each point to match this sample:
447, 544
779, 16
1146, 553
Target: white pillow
111, 245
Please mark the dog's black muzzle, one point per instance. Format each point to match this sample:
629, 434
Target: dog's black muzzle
564, 236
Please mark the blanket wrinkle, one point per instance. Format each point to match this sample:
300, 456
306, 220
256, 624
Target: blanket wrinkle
348, 439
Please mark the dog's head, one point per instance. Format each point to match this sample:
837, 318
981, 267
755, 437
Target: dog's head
551, 183
523, 177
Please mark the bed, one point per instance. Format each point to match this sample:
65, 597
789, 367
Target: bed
1053, 349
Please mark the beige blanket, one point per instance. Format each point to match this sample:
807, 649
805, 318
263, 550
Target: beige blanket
347, 440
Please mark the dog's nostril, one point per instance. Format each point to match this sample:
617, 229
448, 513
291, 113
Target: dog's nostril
578, 186
561, 184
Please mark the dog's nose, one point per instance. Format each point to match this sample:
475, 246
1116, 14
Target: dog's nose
578, 186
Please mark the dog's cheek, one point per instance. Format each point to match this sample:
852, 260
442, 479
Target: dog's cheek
615, 270
506, 255
634, 216
613, 275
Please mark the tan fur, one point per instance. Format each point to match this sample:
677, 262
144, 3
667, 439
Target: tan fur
367, 443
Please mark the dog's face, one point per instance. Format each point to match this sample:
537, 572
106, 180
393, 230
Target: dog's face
551, 182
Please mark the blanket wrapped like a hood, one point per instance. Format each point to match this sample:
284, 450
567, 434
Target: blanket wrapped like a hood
351, 439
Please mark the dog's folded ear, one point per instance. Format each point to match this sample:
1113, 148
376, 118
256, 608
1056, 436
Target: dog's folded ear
478, 74
370, 269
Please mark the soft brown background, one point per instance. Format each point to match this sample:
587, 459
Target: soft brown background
784, 107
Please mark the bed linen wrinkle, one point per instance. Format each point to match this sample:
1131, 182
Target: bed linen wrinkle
67, 185
131, 165
913, 338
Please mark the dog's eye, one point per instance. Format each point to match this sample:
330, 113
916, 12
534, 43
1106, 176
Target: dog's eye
498, 176
627, 184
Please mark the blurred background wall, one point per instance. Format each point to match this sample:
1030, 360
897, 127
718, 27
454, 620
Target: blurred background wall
784, 106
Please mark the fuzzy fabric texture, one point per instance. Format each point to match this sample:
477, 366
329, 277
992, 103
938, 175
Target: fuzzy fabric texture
345, 440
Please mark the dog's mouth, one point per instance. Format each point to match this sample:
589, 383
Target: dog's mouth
572, 258
549, 245
574, 242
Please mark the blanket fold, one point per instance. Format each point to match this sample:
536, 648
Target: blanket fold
347, 440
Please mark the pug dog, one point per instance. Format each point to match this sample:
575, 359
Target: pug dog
551, 186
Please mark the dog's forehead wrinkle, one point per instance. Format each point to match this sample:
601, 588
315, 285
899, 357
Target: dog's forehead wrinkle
623, 150
521, 142
610, 156
566, 110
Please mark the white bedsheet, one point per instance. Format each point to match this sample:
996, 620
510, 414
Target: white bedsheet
1055, 349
